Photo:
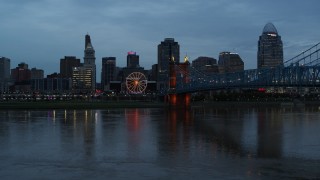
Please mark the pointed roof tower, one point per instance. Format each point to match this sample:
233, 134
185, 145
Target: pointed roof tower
89, 46
87, 40
269, 28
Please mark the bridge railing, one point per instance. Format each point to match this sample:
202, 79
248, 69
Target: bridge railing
301, 70
309, 57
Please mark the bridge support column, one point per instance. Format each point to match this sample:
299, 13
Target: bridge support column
181, 100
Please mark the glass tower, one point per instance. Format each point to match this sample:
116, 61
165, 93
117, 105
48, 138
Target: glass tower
270, 48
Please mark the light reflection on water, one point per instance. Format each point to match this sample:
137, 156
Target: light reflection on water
201, 143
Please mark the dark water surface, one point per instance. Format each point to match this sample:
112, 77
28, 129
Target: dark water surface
211, 143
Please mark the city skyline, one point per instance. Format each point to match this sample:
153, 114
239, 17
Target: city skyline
41, 33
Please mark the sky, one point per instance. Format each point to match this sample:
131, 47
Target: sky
41, 32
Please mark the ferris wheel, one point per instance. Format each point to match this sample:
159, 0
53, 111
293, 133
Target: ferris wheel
136, 83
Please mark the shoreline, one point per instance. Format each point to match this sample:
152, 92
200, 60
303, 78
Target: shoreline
147, 104
79, 105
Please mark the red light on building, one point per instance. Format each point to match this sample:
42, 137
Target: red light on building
132, 53
262, 90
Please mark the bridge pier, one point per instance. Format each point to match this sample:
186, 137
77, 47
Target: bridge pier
179, 100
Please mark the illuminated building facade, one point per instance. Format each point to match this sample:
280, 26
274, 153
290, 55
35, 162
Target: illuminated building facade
270, 48
230, 62
82, 79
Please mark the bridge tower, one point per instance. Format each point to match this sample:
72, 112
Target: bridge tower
172, 96
178, 100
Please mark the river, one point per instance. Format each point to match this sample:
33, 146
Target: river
201, 143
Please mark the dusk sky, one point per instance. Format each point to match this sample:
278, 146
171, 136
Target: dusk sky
41, 32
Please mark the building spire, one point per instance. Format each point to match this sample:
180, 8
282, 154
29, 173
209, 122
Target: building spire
87, 40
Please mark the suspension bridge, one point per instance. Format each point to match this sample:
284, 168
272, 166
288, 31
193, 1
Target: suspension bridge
303, 70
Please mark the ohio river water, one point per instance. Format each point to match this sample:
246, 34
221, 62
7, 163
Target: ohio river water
203, 143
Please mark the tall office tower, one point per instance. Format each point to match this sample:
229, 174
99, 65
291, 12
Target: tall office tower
270, 48
90, 60
168, 51
4, 68
37, 73
108, 72
132, 60
230, 62
67, 64
4, 74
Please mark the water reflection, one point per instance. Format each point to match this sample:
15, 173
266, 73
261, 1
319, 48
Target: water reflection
222, 128
202, 142
269, 133
175, 130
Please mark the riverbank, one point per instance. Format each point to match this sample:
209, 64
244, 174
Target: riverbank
255, 104
79, 105
146, 104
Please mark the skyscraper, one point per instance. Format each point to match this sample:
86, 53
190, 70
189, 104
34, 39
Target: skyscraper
4, 73
4, 68
270, 48
67, 64
132, 60
90, 59
168, 51
108, 72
